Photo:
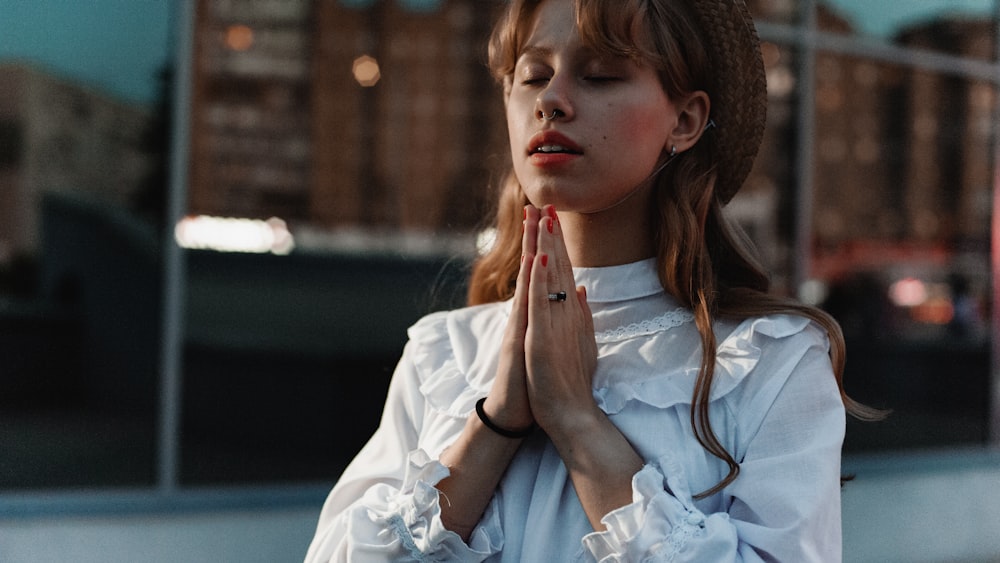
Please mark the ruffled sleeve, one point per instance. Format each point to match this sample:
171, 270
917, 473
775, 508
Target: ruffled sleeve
385, 506
451, 372
775, 380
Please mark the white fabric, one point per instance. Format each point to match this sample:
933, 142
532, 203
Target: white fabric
775, 407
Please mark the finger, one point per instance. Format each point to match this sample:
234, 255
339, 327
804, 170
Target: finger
529, 238
544, 282
557, 244
538, 293
588, 317
551, 242
519, 308
509, 385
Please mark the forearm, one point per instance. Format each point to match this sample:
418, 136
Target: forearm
477, 460
601, 463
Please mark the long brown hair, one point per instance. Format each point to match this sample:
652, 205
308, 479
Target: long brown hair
703, 260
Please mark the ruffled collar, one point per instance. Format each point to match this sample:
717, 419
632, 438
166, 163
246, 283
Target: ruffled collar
620, 283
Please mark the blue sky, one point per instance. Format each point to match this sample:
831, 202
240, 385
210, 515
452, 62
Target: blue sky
114, 45
119, 45
883, 17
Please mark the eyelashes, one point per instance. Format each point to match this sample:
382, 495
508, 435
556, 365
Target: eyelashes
533, 74
594, 79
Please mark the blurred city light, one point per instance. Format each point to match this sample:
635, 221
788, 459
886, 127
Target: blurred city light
485, 240
239, 37
228, 234
366, 71
928, 303
908, 292
936, 310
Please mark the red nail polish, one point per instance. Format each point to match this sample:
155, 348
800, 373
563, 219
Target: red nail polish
545, 260
551, 225
552, 212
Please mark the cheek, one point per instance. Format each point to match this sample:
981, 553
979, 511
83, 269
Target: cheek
516, 142
647, 131
516, 125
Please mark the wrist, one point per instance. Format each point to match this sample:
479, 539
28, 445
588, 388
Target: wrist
512, 432
571, 424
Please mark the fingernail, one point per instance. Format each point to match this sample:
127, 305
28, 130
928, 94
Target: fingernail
550, 225
552, 212
525, 213
545, 260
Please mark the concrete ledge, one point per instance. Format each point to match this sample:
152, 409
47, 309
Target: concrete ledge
262, 535
927, 507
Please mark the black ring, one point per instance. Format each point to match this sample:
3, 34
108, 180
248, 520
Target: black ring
501, 431
561, 296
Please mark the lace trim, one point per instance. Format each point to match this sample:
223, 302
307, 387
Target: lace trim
691, 526
666, 321
403, 533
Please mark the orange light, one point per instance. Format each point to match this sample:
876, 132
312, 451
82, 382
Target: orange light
366, 71
937, 310
239, 37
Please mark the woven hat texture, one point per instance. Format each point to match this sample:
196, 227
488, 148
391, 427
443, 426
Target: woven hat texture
739, 102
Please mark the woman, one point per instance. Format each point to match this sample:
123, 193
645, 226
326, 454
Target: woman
668, 408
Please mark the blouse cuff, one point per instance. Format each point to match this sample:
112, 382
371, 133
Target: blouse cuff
413, 515
655, 524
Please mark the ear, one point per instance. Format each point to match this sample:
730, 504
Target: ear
692, 117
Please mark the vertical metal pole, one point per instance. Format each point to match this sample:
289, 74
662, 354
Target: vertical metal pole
174, 278
993, 429
806, 123
373, 197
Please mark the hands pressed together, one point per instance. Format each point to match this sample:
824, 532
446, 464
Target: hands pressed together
544, 376
548, 355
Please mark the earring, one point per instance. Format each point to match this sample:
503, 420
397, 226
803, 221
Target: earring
673, 151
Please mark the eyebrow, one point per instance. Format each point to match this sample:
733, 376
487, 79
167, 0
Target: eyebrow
541, 52
535, 51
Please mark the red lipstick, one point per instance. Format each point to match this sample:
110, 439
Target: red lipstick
551, 147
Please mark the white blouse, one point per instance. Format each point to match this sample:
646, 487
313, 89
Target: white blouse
775, 407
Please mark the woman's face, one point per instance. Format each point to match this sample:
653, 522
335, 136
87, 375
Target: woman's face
612, 126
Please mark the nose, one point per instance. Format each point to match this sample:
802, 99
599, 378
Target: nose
554, 102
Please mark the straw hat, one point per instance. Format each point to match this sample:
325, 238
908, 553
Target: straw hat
739, 100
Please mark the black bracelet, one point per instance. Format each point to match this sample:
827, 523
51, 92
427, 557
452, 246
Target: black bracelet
501, 431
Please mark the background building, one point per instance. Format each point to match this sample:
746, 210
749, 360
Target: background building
287, 123
59, 136
324, 113
251, 149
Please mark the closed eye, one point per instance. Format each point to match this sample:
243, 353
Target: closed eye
534, 81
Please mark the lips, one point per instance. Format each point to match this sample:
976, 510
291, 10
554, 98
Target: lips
553, 143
